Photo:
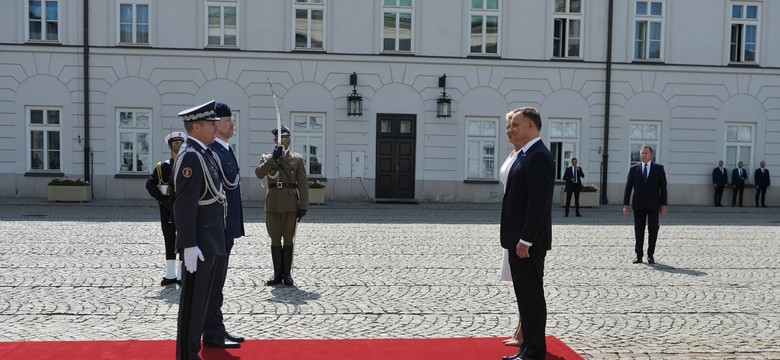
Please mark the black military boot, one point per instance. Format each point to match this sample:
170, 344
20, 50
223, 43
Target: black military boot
287, 259
276, 257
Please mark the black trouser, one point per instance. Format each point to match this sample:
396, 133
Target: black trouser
737, 189
718, 193
644, 217
761, 190
528, 282
214, 326
194, 300
576, 201
169, 232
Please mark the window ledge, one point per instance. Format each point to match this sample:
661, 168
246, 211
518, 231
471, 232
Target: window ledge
745, 65
567, 59
480, 181
483, 56
308, 50
44, 174
647, 62
131, 176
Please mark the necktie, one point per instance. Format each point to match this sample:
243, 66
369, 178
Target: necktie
519, 157
644, 172
574, 173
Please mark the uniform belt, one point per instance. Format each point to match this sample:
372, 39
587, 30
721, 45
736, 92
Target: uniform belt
282, 185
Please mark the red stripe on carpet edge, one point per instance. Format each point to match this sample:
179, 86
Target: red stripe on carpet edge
375, 349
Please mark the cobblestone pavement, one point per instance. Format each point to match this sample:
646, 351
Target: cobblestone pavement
364, 270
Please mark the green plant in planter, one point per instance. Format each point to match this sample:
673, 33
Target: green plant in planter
316, 184
590, 188
68, 182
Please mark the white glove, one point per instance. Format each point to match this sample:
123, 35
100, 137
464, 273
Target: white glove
191, 256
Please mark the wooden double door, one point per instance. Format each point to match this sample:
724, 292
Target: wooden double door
395, 153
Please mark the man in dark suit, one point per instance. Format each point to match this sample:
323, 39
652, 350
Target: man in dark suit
720, 178
199, 212
526, 226
761, 178
214, 333
573, 178
647, 180
738, 178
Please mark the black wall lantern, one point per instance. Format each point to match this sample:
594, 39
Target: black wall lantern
444, 101
354, 99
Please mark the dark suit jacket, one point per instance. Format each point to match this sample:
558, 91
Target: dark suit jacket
761, 179
197, 225
738, 181
718, 178
649, 194
569, 175
234, 222
526, 211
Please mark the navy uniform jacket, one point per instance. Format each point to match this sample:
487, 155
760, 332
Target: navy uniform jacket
197, 225
526, 211
568, 176
234, 222
155, 179
718, 178
649, 194
286, 199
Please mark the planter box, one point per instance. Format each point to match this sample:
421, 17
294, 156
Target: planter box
587, 199
69, 193
316, 196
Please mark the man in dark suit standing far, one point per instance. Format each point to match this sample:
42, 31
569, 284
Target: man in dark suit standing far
214, 333
573, 178
762, 181
199, 214
526, 226
647, 180
738, 178
720, 178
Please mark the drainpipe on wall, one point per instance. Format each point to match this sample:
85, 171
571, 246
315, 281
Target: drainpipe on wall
608, 95
86, 93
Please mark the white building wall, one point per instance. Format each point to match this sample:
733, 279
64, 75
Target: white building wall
691, 93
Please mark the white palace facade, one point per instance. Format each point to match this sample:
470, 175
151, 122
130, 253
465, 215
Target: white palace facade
90, 88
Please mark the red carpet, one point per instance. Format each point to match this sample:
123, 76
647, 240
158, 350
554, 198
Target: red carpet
375, 349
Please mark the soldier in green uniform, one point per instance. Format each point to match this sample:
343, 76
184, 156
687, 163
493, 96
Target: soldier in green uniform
286, 202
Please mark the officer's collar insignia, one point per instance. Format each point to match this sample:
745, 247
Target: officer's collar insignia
187, 172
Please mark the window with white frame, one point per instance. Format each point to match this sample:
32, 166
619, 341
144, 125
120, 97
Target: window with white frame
485, 16
309, 24
481, 143
648, 30
133, 23
564, 142
397, 26
567, 34
222, 23
644, 133
134, 132
744, 32
309, 141
44, 131
739, 145
43, 20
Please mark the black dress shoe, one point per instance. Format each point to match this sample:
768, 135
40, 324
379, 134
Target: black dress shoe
274, 280
288, 280
638, 260
579, 215
763, 205
650, 260
238, 339
565, 215
225, 344
166, 281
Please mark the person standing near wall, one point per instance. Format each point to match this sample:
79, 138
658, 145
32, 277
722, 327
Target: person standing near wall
647, 181
738, 178
286, 202
720, 178
761, 178
160, 187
